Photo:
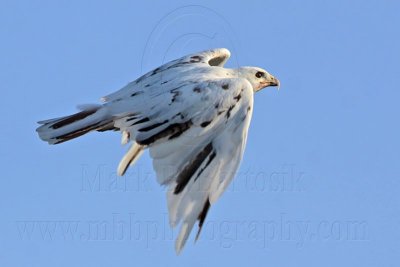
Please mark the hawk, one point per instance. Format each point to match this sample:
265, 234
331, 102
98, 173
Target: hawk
192, 114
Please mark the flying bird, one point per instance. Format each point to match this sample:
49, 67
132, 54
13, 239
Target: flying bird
192, 114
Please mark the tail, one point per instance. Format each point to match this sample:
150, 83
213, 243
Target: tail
91, 118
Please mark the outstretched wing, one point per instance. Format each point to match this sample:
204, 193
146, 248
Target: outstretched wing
170, 71
196, 134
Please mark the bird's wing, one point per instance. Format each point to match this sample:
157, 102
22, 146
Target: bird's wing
196, 135
168, 72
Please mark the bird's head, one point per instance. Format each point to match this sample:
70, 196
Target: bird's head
258, 77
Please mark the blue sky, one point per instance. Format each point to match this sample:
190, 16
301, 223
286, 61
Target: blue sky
319, 183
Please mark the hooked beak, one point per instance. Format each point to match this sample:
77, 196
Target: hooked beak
274, 82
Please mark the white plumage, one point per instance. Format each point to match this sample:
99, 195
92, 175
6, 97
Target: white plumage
192, 114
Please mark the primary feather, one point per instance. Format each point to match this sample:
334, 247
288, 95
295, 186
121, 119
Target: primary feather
192, 114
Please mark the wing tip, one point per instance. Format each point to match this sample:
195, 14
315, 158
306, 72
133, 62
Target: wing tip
182, 238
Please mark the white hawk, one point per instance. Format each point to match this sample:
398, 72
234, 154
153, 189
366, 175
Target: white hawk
192, 114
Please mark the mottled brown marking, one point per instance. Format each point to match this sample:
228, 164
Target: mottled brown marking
153, 126
188, 171
141, 121
202, 216
172, 131
73, 118
136, 93
237, 98
195, 59
228, 113
205, 124
197, 89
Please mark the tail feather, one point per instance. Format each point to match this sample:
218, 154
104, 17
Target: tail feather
55, 131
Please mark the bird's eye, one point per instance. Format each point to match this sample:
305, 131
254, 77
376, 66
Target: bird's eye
259, 74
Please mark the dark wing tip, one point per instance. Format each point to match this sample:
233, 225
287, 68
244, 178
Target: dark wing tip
202, 217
